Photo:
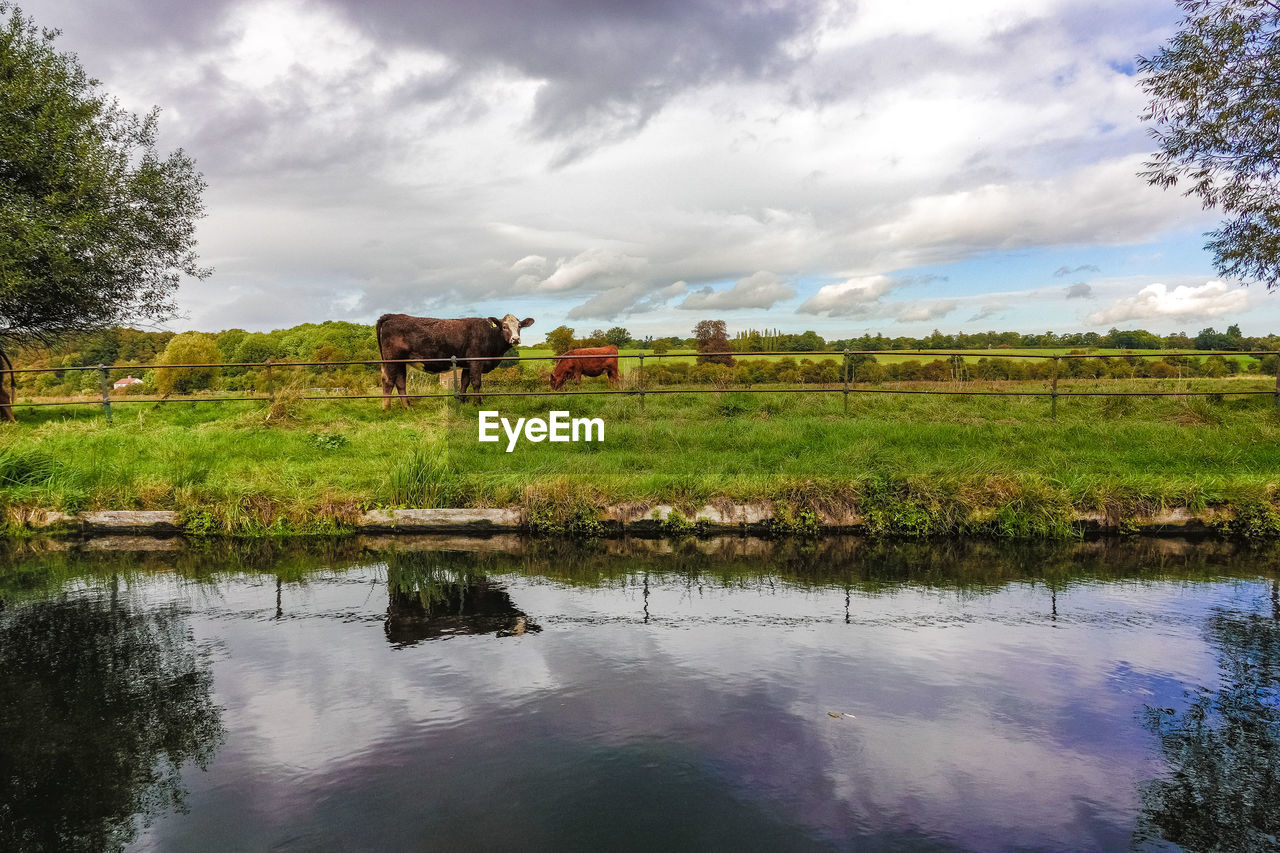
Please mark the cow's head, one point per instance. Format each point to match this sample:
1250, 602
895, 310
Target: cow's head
558, 375
511, 327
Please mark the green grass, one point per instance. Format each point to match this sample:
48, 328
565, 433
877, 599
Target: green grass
912, 465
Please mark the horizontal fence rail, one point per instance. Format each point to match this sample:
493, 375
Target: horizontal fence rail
374, 362
959, 359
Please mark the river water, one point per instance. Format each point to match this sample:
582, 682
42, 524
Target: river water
735, 694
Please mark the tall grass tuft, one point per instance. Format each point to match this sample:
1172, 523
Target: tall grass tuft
423, 480
286, 406
23, 467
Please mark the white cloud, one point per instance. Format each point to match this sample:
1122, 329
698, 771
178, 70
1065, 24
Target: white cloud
599, 268
761, 289
863, 297
853, 297
1102, 204
1156, 301
914, 312
636, 298
987, 311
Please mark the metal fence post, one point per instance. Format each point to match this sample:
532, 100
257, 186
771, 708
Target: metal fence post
846, 381
105, 381
271, 385
1053, 398
1277, 397
457, 386
641, 371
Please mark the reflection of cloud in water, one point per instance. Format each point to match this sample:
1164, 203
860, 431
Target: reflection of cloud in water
978, 716
303, 688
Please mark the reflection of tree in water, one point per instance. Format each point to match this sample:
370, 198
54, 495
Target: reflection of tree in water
100, 707
1224, 750
429, 598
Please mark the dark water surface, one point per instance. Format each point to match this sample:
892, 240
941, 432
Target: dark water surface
440, 694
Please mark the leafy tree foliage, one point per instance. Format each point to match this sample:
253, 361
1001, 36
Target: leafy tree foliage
713, 340
1211, 339
1215, 94
617, 336
560, 339
98, 225
188, 348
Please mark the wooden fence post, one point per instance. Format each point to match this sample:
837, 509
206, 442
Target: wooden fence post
105, 381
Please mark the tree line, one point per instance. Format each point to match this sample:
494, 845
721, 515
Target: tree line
564, 338
338, 341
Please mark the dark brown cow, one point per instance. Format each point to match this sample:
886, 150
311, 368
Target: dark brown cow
401, 336
8, 391
577, 363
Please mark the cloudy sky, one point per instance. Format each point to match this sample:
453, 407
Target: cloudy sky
881, 165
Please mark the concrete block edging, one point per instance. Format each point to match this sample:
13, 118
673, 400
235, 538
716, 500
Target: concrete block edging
630, 518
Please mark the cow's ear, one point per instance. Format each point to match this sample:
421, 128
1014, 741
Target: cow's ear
527, 321
493, 321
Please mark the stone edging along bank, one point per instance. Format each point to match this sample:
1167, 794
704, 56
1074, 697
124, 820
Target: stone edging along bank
633, 519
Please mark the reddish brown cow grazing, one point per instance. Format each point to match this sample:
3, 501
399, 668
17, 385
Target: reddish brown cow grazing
588, 361
403, 337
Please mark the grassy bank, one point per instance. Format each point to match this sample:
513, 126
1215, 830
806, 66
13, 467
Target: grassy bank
910, 465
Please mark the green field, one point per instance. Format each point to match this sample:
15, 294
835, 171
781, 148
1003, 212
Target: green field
1020, 354
921, 464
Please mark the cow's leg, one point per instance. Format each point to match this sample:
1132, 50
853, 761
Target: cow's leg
402, 382
388, 383
475, 381
464, 382
614, 378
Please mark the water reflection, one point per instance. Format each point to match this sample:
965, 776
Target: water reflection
101, 706
840, 694
29, 568
1223, 789
429, 602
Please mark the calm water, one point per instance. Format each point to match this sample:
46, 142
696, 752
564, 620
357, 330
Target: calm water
736, 695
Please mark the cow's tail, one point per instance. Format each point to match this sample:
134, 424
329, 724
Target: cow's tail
377, 330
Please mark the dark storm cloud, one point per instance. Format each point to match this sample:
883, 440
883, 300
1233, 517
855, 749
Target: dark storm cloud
607, 67
285, 131
102, 29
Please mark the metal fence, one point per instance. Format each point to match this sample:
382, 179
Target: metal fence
640, 388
